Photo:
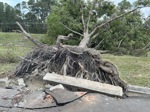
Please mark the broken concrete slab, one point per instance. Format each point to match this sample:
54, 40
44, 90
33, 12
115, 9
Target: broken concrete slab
63, 96
85, 84
31, 100
21, 82
35, 82
59, 86
6, 96
37, 99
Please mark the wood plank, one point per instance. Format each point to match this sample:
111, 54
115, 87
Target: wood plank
85, 84
138, 89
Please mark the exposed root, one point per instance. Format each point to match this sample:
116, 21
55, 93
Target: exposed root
71, 61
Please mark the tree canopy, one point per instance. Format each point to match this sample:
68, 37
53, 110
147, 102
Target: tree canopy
102, 24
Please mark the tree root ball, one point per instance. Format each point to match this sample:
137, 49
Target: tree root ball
71, 61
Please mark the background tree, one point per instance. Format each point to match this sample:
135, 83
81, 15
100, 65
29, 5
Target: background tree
32, 15
1, 15
7, 17
38, 10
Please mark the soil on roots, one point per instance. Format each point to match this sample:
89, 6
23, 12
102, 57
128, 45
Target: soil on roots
71, 61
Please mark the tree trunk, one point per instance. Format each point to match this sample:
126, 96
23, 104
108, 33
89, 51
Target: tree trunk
85, 40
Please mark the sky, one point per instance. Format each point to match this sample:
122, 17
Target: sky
12, 2
145, 11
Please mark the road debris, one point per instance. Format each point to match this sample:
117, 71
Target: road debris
86, 84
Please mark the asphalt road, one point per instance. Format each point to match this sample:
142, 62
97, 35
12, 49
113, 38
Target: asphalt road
92, 102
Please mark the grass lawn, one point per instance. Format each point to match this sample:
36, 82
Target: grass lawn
133, 70
14, 45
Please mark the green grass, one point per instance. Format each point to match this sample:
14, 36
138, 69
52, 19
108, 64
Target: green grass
133, 70
14, 45
7, 67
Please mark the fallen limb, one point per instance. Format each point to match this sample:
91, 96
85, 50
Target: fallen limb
29, 36
72, 30
109, 21
85, 84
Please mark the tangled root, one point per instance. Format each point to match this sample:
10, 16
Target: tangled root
71, 61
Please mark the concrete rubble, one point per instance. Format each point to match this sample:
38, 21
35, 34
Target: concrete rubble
57, 98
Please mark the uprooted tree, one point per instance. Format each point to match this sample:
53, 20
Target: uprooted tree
121, 36
62, 59
76, 61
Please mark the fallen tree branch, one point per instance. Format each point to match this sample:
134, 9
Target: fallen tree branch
29, 36
90, 14
62, 37
103, 24
82, 17
95, 35
72, 30
96, 47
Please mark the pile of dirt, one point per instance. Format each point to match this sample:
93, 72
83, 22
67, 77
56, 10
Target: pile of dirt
71, 61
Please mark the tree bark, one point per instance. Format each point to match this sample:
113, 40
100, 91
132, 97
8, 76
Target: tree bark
85, 40
39, 44
87, 35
